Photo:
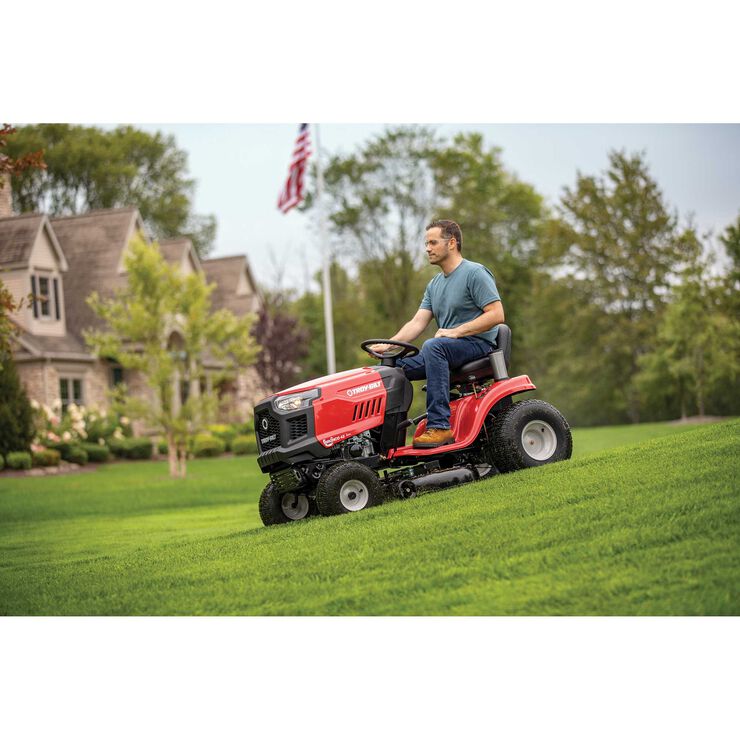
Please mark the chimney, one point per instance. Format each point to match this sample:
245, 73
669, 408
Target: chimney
6, 197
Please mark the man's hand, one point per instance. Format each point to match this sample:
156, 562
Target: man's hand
380, 348
451, 333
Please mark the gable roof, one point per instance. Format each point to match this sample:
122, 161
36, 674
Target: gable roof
18, 234
226, 272
174, 251
93, 244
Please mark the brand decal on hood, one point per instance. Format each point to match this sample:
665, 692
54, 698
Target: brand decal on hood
329, 441
362, 388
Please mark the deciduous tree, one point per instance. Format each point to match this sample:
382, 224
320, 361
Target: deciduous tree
89, 168
157, 303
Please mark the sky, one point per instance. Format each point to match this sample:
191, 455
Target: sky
240, 168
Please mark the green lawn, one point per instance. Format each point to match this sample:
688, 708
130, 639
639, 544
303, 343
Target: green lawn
647, 529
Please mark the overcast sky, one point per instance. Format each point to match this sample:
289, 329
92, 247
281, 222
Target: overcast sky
240, 169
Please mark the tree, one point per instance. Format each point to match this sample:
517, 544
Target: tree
10, 166
16, 415
618, 247
89, 168
161, 325
697, 345
352, 324
283, 341
379, 201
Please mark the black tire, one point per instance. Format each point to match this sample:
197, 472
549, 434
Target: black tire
519, 442
273, 506
346, 485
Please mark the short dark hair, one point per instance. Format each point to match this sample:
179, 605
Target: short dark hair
449, 229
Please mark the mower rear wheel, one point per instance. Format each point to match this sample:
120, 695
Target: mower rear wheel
281, 508
347, 486
528, 434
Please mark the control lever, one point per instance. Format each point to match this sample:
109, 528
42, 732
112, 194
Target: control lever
409, 422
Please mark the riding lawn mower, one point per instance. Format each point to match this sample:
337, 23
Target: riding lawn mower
337, 444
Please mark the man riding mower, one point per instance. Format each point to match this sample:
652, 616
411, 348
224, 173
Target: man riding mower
325, 442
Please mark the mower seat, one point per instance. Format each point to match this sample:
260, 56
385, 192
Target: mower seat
482, 369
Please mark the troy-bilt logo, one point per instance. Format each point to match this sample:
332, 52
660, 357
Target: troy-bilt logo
362, 388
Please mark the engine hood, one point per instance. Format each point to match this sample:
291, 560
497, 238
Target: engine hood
335, 381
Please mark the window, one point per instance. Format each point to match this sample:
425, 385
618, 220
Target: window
45, 303
70, 391
45, 291
116, 375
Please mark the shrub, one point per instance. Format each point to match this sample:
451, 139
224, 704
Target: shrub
96, 453
18, 460
224, 432
245, 445
76, 455
45, 458
16, 414
2, 462
163, 448
206, 445
132, 448
62, 448
245, 428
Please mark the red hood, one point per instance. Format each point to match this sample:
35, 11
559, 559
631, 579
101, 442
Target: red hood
330, 381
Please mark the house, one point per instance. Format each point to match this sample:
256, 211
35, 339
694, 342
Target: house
63, 260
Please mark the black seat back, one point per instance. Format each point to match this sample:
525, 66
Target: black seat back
483, 368
503, 341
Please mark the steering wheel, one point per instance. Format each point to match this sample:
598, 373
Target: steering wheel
407, 350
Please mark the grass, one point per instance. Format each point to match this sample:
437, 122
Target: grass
647, 529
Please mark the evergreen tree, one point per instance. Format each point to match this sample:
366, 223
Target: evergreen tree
16, 415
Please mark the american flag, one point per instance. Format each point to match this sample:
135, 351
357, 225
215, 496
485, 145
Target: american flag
292, 193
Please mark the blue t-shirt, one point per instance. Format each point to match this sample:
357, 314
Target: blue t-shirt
459, 297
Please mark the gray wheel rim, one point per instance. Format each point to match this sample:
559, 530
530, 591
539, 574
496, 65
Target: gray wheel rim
294, 505
354, 495
539, 440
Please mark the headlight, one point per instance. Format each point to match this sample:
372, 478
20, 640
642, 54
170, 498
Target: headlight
298, 401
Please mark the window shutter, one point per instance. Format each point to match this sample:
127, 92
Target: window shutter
56, 297
33, 291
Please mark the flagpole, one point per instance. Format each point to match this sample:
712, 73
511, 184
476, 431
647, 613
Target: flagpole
328, 320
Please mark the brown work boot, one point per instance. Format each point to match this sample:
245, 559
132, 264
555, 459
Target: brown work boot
434, 438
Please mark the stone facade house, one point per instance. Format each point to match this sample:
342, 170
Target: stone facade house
61, 261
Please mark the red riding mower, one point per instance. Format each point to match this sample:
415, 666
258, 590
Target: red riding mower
324, 443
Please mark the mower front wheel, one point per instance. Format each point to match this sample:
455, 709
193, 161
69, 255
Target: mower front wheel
281, 508
347, 486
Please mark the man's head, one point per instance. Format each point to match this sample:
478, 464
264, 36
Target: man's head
443, 239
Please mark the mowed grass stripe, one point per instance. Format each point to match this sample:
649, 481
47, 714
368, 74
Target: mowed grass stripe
649, 529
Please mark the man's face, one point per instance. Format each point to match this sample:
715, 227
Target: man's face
437, 246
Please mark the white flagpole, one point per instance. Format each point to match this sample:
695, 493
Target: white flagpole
331, 364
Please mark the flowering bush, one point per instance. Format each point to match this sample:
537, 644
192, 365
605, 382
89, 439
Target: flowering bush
78, 424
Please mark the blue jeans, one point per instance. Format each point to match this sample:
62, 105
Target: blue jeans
434, 361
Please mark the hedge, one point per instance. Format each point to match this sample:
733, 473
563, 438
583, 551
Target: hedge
132, 448
18, 460
224, 432
45, 458
96, 453
245, 445
206, 445
76, 455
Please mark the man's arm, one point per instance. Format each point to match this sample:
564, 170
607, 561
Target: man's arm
492, 314
410, 330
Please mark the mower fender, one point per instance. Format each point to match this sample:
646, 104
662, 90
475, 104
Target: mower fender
468, 414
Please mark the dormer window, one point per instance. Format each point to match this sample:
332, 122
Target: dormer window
46, 294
